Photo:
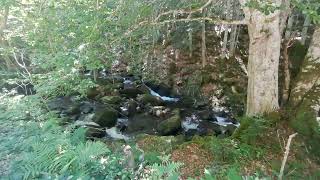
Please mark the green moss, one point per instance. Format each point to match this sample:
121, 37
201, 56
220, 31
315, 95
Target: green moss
252, 130
161, 144
305, 123
152, 157
148, 98
113, 100
171, 125
106, 117
297, 52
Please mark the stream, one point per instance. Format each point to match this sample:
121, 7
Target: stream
127, 107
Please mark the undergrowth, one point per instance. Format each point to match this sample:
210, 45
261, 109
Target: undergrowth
42, 149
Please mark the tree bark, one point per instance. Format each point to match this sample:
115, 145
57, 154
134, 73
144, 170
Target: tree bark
308, 80
263, 64
286, 69
203, 45
3, 24
289, 27
226, 29
234, 33
305, 29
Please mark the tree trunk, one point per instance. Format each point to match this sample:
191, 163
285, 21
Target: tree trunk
226, 30
203, 45
263, 64
3, 24
289, 27
304, 33
307, 82
286, 69
233, 40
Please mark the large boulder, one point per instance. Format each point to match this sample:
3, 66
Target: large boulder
150, 99
130, 92
170, 126
92, 93
112, 100
106, 117
65, 105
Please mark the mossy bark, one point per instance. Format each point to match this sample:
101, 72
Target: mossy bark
307, 83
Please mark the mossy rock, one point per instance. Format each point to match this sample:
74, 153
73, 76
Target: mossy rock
106, 117
150, 99
92, 132
170, 126
114, 100
92, 93
130, 92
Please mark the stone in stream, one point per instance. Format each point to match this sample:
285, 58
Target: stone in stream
205, 114
93, 93
150, 99
172, 125
131, 92
105, 117
65, 106
86, 107
113, 100
92, 132
142, 123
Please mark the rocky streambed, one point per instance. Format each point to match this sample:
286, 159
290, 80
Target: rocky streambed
123, 107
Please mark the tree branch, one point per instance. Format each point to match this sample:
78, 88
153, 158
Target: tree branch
286, 155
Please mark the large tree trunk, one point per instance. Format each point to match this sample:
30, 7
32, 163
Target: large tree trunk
265, 33
263, 64
307, 83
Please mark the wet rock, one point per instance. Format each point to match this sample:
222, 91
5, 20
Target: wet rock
93, 93
201, 104
145, 89
128, 84
106, 117
149, 99
113, 100
131, 92
207, 128
170, 126
86, 107
86, 124
122, 124
114, 133
205, 114
132, 107
142, 123
92, 132
129, 108
161, 89
159, 111
65, 106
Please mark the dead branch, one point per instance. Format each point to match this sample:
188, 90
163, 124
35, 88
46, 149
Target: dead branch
286, 155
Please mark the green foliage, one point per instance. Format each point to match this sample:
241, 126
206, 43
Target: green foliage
252, 130
166, 170
305, 123
152, 157
52, 151
265, 7
311, 8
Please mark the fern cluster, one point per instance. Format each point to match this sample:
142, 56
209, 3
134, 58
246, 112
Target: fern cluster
52, 151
